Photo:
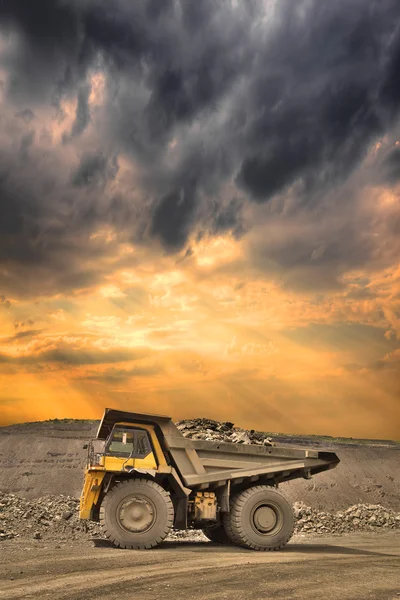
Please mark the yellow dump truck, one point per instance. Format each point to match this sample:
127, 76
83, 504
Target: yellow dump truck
143, 477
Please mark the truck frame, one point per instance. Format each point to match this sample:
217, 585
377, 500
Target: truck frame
143, 477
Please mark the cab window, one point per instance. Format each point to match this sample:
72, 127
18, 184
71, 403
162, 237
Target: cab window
143, 447
129, 442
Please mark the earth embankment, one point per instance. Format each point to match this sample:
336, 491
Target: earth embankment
48, 458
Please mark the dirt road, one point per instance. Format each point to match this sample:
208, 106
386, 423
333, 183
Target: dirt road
357, 566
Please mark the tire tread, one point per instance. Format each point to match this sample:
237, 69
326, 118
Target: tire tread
234, 524
147, 545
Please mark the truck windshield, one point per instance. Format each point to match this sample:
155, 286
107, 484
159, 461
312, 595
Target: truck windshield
128, 441
121, 442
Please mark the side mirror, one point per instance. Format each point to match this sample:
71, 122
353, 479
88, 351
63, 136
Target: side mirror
85, 446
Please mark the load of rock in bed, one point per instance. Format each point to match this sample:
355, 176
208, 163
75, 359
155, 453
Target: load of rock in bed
57, 518
207, 429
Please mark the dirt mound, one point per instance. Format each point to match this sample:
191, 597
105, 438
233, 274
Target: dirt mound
44, 457
48, 458
360, 517
50, 517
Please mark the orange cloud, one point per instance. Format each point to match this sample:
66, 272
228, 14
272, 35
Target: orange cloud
165, 338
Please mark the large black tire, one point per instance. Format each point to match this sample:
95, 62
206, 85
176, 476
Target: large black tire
217, 534
137, 513
260, 518
226, 521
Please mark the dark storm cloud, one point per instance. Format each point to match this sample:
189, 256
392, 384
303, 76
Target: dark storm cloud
322, 98
20, 335
82, 115
67, 355
172, 216
311, 248
391, 166
390, 362
369, 342
85, 357
26, 115
160, 51
227, 217
25, 143
29, 322
4, 302
95, 168
115, 375
203, 97
48, 52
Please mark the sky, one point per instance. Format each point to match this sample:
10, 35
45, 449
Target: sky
199, 212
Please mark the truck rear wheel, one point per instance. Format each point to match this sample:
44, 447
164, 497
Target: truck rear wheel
260, 518
217, 534
137, 513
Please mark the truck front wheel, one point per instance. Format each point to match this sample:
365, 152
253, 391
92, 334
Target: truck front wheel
137, 513
260, 518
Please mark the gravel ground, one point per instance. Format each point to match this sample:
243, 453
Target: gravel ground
354, 566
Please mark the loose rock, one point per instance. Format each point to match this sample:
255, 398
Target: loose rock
49, 517
360, 517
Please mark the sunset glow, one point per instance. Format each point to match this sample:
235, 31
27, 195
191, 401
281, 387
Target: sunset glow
147, 261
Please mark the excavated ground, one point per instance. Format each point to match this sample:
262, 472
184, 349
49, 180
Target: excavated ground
48, 458
346, 543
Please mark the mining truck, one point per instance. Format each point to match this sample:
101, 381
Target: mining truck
143, 477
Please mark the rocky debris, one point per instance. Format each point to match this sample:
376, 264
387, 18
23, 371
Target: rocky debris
57, 518
49, 517
192, 535
214, 431
360, 517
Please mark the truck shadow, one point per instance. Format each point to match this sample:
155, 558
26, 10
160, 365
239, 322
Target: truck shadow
208, 547
289, 549
333, 549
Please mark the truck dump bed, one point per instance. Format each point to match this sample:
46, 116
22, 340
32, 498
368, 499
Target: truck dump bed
203, 464
224, 461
